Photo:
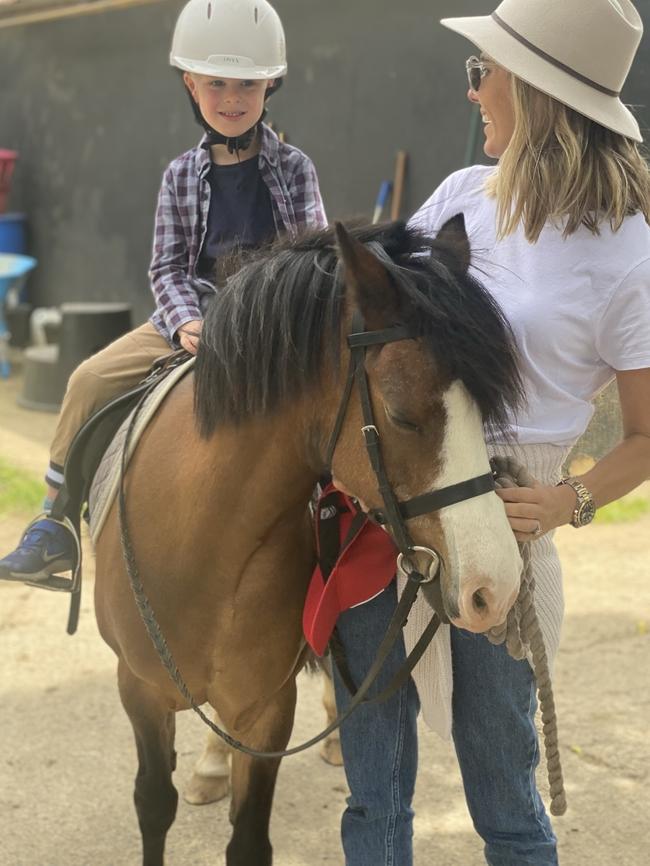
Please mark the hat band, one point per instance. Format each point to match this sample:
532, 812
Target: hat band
557, 63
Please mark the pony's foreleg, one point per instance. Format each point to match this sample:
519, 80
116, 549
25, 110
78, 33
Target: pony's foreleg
253, 782
155, 796
211, 777
330, 751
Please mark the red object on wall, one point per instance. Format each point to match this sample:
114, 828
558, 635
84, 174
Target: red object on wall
7, 163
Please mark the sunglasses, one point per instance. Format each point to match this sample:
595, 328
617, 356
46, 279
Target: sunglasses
476, 71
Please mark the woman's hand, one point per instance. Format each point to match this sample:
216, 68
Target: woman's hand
532, 511
188, 335
617, 473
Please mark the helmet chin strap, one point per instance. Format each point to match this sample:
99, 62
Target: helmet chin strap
238, 142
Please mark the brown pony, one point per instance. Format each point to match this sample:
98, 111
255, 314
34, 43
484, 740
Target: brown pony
219, 485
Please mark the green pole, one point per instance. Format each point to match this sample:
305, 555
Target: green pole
472, 138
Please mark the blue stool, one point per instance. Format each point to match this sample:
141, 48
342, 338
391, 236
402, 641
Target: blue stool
13, 271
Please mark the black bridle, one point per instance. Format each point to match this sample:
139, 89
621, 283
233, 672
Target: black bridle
394, 515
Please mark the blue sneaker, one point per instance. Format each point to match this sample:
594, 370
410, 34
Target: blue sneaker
45, 549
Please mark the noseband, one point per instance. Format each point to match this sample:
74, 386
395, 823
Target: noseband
395, 513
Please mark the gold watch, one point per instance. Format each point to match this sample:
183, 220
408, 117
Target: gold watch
585, 507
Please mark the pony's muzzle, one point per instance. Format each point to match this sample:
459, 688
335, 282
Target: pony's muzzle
481, 607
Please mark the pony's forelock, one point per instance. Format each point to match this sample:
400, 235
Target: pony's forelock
274, 327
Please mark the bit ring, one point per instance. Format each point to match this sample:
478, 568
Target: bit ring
406, 567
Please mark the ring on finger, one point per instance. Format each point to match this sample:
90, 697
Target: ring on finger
537, 531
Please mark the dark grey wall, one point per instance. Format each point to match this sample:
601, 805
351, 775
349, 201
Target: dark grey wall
96, 115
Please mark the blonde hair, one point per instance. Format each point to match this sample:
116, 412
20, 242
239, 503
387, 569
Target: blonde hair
560, 167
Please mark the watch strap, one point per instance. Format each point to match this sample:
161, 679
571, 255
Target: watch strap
584, 499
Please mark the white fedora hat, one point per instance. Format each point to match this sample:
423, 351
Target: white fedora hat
577, 51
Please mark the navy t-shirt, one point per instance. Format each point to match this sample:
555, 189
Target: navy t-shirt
240, 214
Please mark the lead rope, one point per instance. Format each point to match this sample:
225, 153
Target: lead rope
522, 634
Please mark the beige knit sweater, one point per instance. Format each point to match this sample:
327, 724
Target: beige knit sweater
433, 673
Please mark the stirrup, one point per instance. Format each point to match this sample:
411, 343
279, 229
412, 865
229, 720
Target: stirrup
56, 582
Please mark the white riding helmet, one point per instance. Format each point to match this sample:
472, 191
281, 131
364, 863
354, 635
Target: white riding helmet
229, 39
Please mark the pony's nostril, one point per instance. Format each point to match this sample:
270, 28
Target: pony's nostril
480, 604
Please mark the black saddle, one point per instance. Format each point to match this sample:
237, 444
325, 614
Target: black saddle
83, 459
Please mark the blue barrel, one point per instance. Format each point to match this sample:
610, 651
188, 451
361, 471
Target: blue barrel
13, 237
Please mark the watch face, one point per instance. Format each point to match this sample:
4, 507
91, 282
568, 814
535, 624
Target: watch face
585, 513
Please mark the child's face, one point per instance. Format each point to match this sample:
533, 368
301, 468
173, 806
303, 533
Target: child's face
230, 105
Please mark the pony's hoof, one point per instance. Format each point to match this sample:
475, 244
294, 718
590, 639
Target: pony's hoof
201, 790
330, 752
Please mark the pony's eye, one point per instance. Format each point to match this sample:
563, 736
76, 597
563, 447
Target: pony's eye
399, 421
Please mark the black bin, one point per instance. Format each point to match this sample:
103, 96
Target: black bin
86, 327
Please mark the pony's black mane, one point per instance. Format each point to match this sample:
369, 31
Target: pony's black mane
268, 333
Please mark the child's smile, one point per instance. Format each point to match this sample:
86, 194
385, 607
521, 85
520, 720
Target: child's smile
230, 105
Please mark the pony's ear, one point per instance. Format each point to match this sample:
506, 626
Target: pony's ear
454, 241
372, 289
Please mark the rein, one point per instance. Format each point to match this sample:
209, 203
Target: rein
394, 514
522, 636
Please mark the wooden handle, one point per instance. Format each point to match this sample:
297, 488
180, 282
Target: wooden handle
51, 11
398, 184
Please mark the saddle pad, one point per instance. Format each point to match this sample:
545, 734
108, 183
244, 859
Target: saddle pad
107, 478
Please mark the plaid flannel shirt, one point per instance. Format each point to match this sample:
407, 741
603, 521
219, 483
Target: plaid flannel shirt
182, 218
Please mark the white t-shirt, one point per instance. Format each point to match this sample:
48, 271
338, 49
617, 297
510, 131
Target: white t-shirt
579, 308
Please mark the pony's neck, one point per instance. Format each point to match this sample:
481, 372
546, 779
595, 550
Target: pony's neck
271, 462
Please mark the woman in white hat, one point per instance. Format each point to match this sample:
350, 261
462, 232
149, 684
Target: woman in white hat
560, 236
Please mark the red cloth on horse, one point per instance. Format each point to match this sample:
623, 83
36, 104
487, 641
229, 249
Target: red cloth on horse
363, 565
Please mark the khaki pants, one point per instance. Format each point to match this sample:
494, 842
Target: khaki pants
95, 382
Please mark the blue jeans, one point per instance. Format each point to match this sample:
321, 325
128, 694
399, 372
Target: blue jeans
495, 738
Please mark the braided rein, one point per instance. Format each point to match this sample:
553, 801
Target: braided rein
522, 635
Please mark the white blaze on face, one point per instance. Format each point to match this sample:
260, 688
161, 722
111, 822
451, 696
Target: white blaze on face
483, 552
